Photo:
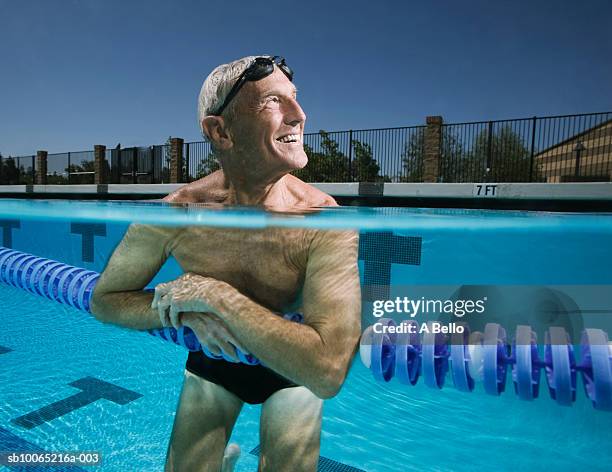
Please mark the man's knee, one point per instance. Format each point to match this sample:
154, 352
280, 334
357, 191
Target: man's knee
295, 452
193, 462
291, 431
203, 423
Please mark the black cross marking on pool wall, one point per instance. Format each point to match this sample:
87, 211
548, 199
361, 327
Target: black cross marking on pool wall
11, 442
325, 464
7, 231
379, 250
88, 231
92, 389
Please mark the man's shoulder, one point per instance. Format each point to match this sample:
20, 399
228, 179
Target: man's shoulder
209, 189
308, 194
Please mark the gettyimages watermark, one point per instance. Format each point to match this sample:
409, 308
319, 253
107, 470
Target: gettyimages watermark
412, 308
467, 309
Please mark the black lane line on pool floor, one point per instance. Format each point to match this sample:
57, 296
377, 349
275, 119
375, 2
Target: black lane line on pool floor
378, 250
92, 389
4, 350
325, 464
10, 442
7, 231
87, 232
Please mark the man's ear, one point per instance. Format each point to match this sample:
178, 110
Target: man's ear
217, 132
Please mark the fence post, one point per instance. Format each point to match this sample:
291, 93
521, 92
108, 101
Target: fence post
119, 170
187, 174
176, 160
134, 165
489, 149
41, 172
351, 173
432, 148
100, 174
533, 132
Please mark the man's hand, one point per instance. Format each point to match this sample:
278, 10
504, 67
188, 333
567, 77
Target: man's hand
213, 334
186, 302
190, 292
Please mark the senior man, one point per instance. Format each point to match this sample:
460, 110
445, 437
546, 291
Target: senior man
238, 281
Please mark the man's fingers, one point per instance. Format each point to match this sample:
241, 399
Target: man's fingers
163, 307
213, 348
175, 312
237, 345
160, 291
229, 350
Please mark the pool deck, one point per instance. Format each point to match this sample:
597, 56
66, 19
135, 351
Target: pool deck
583, 196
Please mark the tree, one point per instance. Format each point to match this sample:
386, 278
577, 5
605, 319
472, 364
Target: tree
510, 159
208, 165
327, 165
365, 167
412, 158
12, 174
9, 173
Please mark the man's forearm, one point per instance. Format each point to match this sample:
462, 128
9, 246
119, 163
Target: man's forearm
296, 351
127, 309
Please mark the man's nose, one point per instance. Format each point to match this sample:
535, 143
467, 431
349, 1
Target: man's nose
294, 115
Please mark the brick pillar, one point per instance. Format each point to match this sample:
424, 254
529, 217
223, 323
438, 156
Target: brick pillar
100, 167
41, 167
433, 149
176, 160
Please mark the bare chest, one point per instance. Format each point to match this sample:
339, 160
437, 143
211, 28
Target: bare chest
266, 265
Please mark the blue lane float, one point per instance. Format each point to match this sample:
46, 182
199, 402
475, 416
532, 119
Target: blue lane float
489, 357
74, 286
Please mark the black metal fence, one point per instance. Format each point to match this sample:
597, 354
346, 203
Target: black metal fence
17, 170
550, 149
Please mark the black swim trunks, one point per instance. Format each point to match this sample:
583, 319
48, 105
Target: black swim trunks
251, 383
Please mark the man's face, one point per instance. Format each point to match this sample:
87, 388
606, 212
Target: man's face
269, 126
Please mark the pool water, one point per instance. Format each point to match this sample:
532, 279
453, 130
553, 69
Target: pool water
134, 379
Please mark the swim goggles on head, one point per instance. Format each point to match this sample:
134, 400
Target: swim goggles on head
261, 67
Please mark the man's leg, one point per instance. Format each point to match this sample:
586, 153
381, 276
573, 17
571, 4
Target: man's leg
204, 420
290, 431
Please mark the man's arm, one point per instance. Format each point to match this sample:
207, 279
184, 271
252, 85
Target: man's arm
317, 353
118, 297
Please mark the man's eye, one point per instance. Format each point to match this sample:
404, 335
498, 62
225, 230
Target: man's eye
273, 99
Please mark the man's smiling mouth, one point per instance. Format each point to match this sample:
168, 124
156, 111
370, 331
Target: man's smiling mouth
289, 138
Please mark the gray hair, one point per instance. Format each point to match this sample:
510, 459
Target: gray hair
218, 84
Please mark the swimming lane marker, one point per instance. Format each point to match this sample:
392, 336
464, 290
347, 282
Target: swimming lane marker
74, 286
92, 389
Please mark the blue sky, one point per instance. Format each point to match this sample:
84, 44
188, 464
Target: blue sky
75, 73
